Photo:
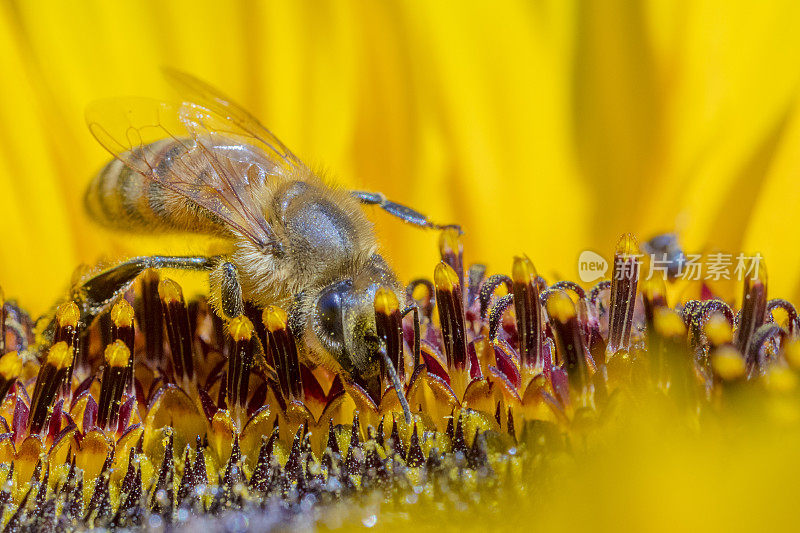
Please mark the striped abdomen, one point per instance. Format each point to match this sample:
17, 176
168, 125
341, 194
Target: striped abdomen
121, 198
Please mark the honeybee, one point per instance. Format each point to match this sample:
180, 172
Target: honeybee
207, 166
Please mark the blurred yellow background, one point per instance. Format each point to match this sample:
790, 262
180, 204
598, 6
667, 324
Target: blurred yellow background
543, 127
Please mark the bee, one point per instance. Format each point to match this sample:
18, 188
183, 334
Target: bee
666, 249
292, 239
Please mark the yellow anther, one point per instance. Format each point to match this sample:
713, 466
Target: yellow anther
60, 355
668, 323
68, 314
117, 354
122, 314
420, 291
386, 301
169, 291
10, 365
523, 271
560, 306
274, 318
718, 330
445, 278
728, 364
240, 328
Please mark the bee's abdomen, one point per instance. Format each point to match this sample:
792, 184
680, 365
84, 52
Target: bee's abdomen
121, 198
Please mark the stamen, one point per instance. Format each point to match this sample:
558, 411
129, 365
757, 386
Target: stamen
792, 320
728, 364
564, 322
67, 316
754, 304
528, 312
178, 332
122, 329
414, 310
718, 331
50, 379
113, 383
450, 304
425, 302
623, 294
489, 287
240, 361
670, 362
151, 319
281, 344
389, 325
753, 356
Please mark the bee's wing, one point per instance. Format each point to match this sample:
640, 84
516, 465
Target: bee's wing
231, 118
214, 171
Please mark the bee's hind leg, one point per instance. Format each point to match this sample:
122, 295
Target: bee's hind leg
400, 211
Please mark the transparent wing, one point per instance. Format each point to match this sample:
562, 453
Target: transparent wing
228, 117
214, 171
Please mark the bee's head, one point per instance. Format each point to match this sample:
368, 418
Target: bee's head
343, 322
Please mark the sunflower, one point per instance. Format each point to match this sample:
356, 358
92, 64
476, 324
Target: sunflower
547, 128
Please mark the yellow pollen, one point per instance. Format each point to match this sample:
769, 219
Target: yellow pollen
240, 328
117, 354
274, 318
420, 292
523, 271
560, 306
10, 365
386, 302
68, 314
718, 330
668, 323
445, 278
728, 364
60, 355
169, 291
122, 314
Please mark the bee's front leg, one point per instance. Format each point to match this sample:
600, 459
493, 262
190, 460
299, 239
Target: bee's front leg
226, 290
400, 211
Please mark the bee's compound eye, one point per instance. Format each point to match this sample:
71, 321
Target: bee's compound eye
329, 315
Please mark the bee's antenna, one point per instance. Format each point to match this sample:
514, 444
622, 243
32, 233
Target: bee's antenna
398, 387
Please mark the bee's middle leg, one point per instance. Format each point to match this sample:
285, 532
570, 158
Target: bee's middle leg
229, 302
